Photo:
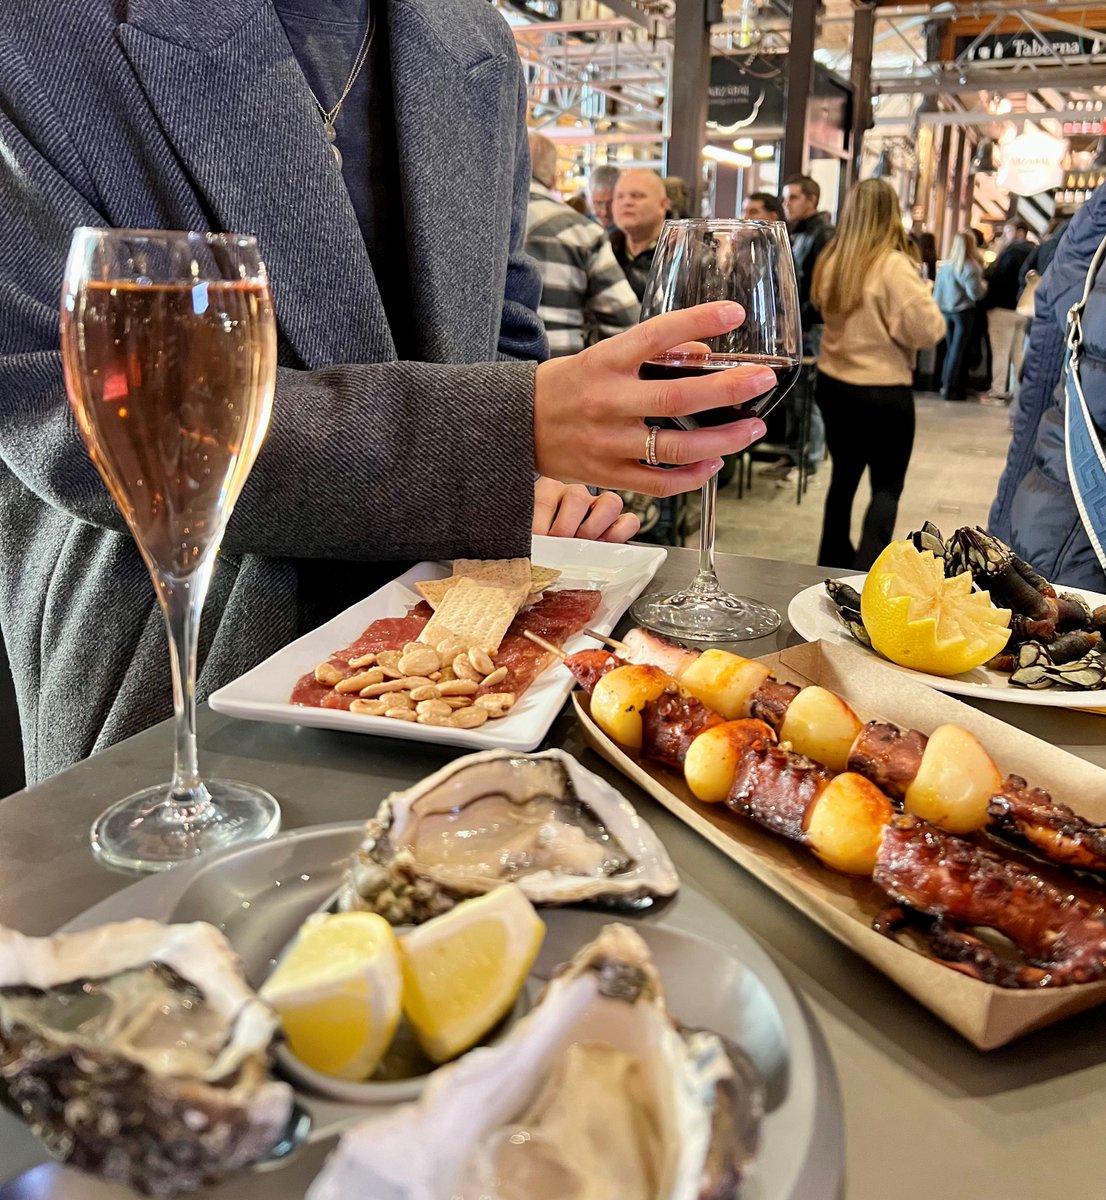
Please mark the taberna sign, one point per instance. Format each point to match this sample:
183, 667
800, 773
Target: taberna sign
745, 94
1024, 46
1031, 163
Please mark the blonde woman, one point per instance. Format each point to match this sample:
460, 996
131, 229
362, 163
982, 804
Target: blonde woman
959, 286
878, 314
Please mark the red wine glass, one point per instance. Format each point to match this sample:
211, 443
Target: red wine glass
698, 261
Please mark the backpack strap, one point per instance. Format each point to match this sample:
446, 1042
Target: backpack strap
1086, 460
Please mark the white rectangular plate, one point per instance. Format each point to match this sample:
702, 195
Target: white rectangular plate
621, 572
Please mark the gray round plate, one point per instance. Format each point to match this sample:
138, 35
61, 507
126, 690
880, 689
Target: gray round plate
716, 976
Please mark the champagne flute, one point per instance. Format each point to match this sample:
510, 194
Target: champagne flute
169, 351
698, 261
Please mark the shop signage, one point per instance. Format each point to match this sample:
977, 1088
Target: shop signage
745, 94
1031, 163
1025, 46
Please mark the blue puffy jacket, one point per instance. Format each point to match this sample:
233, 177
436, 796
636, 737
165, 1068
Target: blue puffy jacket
1034, 510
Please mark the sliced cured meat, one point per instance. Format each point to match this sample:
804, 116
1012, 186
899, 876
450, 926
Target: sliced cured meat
556, 618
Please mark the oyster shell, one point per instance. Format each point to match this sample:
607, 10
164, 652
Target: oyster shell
138, 1052
595, 1093
539, 820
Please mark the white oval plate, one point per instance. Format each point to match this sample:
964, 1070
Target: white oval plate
813, 617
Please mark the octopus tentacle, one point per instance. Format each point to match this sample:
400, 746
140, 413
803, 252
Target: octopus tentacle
1062, 939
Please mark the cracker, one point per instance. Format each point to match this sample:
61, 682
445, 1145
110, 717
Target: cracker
473, 614
488, 571
433, 590
502, 572
542, 577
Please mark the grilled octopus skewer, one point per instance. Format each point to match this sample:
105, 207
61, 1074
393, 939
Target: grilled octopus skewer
891, 758
884, 754
1062, 938
929, 874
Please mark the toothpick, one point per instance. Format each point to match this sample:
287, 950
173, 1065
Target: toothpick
614, 643
540, 641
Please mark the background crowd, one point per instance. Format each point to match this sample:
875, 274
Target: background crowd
881, 317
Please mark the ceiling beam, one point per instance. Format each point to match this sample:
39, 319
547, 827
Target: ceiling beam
985, 118
950, 83
630, 11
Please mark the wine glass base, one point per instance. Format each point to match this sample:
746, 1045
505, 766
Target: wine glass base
145, 832
710, 617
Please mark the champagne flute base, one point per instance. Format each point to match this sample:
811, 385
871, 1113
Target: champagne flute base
712, 617
149, 832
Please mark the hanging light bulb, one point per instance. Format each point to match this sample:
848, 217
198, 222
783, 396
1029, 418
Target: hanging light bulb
885, 163
984, 161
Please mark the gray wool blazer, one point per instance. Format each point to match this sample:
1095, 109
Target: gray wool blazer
194, 114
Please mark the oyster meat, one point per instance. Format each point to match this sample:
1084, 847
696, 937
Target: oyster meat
138, 1052
540, 821
595, 1093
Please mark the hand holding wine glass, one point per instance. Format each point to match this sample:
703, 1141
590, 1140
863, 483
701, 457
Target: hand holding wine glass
747, 262
591, 409
169, 351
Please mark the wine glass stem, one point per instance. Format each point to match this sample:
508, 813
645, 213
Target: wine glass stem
706, 578
182, 600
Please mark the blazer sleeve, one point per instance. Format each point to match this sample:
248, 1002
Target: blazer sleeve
355, 465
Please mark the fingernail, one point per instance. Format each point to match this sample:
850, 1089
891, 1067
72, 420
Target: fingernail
757, 430
716, 466
730, 313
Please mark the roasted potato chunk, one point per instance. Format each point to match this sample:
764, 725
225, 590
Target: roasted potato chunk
821, 726
724, 682
845, 823
712, 758
955, 781
618, 699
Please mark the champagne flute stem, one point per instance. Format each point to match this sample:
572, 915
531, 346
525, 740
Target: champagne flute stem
182, 600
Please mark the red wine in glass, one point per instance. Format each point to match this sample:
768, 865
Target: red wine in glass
686, 366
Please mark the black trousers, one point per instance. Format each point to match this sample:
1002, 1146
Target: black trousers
954, 378
866, 428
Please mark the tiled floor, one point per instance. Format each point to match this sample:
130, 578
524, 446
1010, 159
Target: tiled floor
959, 451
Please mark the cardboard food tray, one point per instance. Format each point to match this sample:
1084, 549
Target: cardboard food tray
988, 1016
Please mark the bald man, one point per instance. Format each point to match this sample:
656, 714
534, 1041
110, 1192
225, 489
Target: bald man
640, 207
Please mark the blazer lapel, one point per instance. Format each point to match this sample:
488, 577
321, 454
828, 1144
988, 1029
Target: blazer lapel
232, 100
445, 84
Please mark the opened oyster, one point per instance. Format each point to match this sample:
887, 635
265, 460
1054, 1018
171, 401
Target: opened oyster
138, 1052
541, 821
594, 1094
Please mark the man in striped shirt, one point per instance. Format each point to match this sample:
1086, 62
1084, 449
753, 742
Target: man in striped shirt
585, 296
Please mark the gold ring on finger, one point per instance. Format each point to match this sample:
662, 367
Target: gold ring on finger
651, 447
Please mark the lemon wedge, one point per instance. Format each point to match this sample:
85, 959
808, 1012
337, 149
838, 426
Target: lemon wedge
463, 970
338, 993
918, 618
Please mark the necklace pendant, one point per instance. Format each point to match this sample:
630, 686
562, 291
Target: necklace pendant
337, 154
329, 132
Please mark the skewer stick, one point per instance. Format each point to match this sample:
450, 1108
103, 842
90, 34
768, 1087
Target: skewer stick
614, 643
540, 641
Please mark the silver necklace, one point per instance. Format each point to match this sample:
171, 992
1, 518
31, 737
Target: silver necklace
330, 115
